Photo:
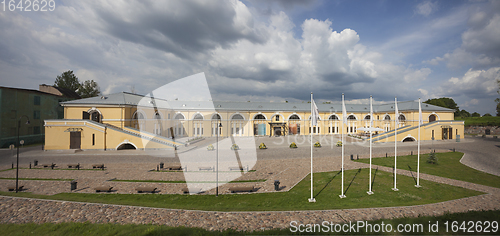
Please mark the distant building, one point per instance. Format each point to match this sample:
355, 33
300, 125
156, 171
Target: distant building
126, 120
38, 105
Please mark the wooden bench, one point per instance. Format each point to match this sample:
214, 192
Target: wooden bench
103, 189
13, 188
173, 167
242, 189
74, 166
52, 165
193, 190
205, 168
146, 189
98, 166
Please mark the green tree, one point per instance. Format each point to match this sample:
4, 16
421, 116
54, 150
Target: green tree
445, 102
475, 114
464, 113
86, 89
67, 80
487, 114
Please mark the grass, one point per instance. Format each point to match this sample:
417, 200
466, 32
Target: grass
448, 166
65, 229
37, 179
481, 121
182, 181
326, 190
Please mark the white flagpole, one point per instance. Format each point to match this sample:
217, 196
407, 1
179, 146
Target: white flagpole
396, 122
312, 117
344, 113
418, 143
371, 118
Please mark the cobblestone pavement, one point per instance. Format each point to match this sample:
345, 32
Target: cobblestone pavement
130, 165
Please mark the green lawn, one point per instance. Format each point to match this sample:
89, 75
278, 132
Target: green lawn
66, 229
448, 166
326, 190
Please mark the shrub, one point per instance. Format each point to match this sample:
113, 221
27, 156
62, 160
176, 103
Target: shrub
210, 147
235, 147
432, 159
262, 146
317, 144
293, 145
339, 143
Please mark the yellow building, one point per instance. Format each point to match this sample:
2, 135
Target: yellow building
125, 120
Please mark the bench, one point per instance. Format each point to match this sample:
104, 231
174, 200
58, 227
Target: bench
52, 165
193, 190
236, 168
173, 167
205, 168
146, 189
74, 166
13, 188
103, 189
241, 189
98, 166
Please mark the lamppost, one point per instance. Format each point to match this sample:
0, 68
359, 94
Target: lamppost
18, 143
219, 126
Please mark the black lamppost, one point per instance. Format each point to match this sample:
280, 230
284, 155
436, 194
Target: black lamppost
18, 143
219, 126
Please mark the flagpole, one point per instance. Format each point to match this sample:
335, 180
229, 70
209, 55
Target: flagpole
312, 197
343, 143
370, 130
418, 143
396, 123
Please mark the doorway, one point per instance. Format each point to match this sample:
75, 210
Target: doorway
75, 140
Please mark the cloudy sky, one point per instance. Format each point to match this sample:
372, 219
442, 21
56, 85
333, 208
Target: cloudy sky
264, 50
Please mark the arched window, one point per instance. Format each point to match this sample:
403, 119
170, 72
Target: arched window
198, 117
402, 118
333, 117
432, 118
387, 118
294, 117
197, 125
179, 116
259, 117
259, 125
367, 117
351, 117
95, 116
237, 117
216, 117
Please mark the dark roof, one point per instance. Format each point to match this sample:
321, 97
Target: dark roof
29, 90
125, 98
68, 93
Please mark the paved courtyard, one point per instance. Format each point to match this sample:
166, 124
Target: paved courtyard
277, 162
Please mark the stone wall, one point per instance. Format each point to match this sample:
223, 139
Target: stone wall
493, 130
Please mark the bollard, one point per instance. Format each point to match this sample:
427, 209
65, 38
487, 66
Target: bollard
157, 168
453, 149
434, 150
386, 155
78, 166
30, 165
12, 165
52, 166
161, 165
357, 156
73, 185
352, 157
277, 185
412, 153
35, 162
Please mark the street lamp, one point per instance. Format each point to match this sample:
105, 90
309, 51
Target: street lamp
219, 126
18, 143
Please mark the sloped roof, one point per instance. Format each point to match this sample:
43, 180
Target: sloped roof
125, 98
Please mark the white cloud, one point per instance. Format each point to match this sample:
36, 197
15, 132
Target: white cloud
426, 8
478, 83
416, 75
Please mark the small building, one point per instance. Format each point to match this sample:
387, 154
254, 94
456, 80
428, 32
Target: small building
37, 105
126, 120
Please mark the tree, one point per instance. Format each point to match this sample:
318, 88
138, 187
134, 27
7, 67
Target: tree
444, 102
475, 114
67, 80
464, 113
487, 114
86, 89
